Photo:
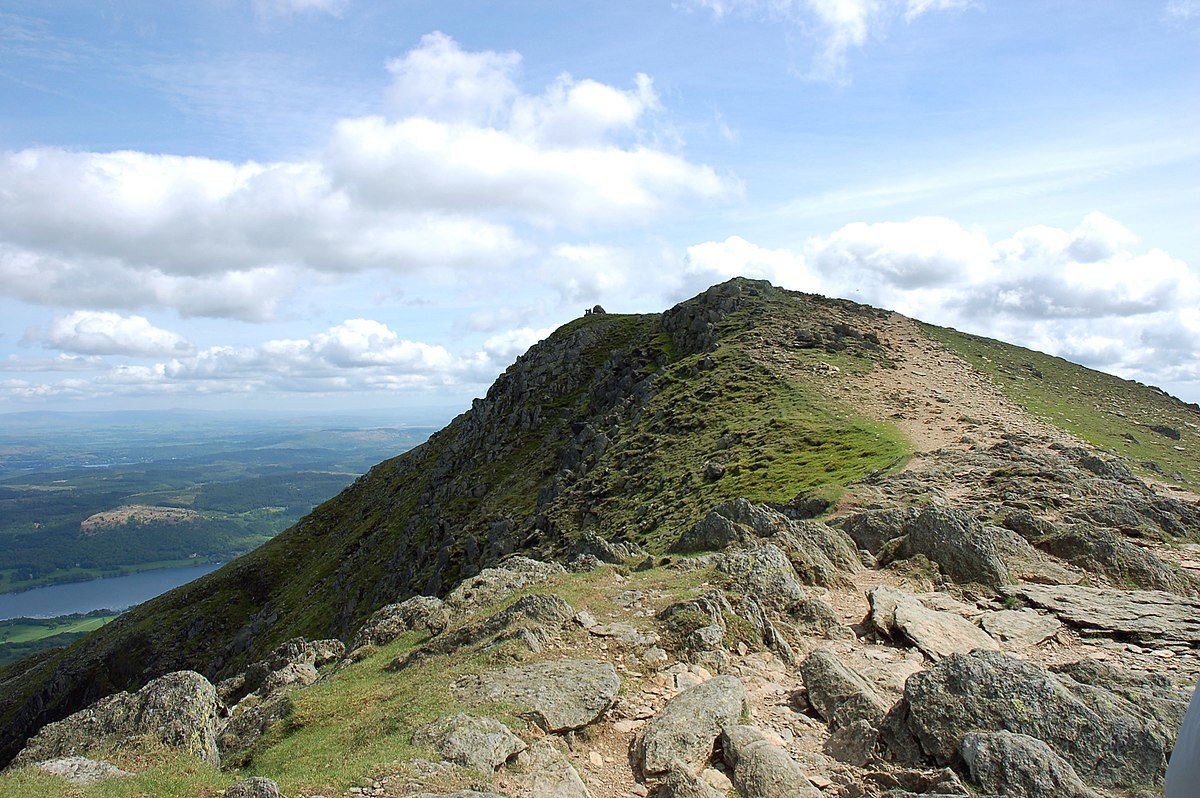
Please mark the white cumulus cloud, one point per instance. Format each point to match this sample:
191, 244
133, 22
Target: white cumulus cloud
468, 174
87, 332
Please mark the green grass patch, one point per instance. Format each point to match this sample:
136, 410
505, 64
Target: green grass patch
21, 637
1106, 411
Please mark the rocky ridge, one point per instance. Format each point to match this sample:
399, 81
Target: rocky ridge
1012, 612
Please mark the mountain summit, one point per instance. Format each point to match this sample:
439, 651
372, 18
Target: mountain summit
858, 441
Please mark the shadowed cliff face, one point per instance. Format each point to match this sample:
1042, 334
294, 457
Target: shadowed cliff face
631, 426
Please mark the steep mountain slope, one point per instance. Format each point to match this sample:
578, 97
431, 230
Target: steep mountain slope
634, 428
609, 424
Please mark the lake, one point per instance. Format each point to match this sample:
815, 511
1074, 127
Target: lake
117, 593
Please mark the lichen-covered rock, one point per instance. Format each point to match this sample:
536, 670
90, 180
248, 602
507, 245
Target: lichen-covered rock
684, 731
493, 584
1106, 552
254, 787
682, 783
80, 770
549, 774
764, 571
762, 769
1020, 766
965, 550
559, 695
989, 691
482, 744
871, 529
839, 695
417, 613
1020, 628
178, 710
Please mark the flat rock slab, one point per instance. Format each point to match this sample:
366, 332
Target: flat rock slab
1021, 627
559, 695
1151, 617
936, 633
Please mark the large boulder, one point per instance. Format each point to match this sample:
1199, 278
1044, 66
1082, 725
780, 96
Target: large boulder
764, 572
550, 773
1020, 766
839, 695
965, 550
686, 729
481, 744
762, 769
558, 695
989, 691
178, 710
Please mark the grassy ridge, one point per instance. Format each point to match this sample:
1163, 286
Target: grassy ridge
1136, 421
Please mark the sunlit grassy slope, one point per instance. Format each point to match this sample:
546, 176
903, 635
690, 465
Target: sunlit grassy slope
1157, 433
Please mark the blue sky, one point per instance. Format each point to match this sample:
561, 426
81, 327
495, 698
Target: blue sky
316, 204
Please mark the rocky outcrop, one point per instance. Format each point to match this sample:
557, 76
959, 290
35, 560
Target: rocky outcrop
1103, 551
558, 695
178, 710
531, 618
292, 663
493, 584
965, 550
819, 554
1148, 616
686, 729
988, 691
480, 744
426, 613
